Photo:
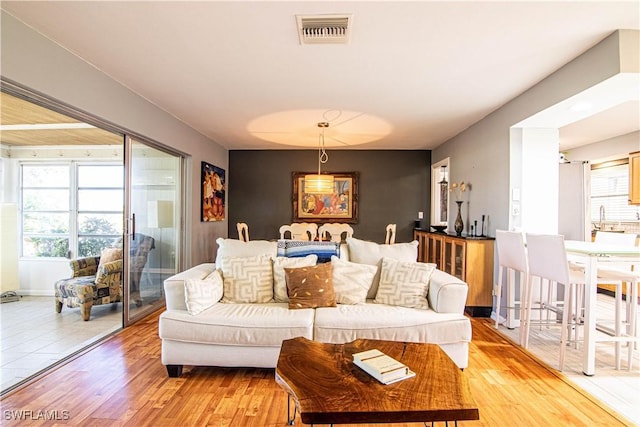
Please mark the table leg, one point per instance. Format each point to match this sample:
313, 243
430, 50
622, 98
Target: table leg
589, 355
291, 419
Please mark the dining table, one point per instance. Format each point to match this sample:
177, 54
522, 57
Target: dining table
593, 254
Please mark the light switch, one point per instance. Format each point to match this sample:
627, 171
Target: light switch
420, 215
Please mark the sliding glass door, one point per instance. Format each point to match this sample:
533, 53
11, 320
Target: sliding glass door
153, 225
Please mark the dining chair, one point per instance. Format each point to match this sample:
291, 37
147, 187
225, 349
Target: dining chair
333, 232
243, 231
390, 236
512, 260
299, 231
547, 261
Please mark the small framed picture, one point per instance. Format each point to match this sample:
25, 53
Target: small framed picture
212, 206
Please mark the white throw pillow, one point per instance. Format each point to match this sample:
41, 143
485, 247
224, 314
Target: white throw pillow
404, 283
202, 294
279, 278
351, 281
233, 248
364, 252
248, 279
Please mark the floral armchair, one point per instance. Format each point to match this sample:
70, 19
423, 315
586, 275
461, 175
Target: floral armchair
92, 284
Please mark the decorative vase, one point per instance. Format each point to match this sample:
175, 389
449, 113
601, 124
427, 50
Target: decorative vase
458, 225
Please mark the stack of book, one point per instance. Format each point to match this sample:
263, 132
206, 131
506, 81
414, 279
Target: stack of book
384, 368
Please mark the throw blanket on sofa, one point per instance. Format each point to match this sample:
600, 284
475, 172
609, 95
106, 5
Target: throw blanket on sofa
300, 248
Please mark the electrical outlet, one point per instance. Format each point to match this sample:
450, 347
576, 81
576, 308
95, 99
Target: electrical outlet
420, 215
515, 210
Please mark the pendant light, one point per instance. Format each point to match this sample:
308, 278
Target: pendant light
320, 184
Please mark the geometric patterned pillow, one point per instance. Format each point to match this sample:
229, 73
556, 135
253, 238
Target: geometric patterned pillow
202, 294
351, 281
404, 283
279, 279
247, 280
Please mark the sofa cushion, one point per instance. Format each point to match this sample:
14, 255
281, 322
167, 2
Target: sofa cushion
298, 248
233, 248
404, 283
351, 281
237, 324
345, 323
279, 279
310, 287
201, 294
247, 279
364, 252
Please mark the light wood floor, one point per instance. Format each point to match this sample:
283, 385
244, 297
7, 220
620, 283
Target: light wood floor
121, 382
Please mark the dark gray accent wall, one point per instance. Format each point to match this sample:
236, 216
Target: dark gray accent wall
393, 186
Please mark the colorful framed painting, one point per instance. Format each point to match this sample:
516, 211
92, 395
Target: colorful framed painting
212, 200
339, 206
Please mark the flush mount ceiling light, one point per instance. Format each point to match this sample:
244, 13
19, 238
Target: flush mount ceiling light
324, 29
319, 183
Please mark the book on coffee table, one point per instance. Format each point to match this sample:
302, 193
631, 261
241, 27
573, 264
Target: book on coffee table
382, 367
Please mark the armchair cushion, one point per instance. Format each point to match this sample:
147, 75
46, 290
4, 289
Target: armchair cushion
84, 266
109, 272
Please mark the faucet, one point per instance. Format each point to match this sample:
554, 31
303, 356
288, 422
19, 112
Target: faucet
602, 217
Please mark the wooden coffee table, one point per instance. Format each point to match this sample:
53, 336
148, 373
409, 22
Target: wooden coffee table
328, 388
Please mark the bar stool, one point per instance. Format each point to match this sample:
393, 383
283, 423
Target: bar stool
632, 278
512, 259
547, 260
619, 276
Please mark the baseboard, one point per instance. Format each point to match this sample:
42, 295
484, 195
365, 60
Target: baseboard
477, 311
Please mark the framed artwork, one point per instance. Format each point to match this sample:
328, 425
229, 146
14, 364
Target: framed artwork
212, 199
339, 206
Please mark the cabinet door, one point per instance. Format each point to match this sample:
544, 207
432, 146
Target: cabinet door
634, 178
454, 257
435, 250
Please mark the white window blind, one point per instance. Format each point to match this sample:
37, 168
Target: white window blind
610, 189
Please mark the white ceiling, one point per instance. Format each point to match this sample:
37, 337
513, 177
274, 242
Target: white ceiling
413, 75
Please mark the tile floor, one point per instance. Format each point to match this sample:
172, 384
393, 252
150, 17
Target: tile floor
33, 336
619, 389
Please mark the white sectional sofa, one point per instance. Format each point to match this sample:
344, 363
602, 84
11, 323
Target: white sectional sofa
208, 323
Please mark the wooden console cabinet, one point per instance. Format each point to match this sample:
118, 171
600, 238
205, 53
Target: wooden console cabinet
468, 258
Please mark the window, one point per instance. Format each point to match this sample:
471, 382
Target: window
45, 210
610, 192
71, 210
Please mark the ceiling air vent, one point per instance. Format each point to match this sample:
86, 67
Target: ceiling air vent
315, 29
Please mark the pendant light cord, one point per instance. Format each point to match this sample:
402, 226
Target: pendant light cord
323, 157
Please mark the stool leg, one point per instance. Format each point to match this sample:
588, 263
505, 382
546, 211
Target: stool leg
632, 319
618, 321
498, 295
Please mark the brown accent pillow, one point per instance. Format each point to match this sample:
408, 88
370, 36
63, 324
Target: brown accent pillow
310, 287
